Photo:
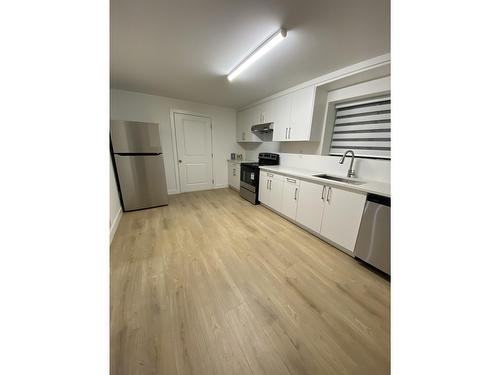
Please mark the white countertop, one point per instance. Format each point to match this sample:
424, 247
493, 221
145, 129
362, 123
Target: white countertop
242, 161
375, 187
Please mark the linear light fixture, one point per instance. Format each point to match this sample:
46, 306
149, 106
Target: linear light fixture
265, 47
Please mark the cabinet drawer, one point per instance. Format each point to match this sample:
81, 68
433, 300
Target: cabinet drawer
290, 180
274, 176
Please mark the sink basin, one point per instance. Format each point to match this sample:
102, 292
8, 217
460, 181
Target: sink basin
339, 179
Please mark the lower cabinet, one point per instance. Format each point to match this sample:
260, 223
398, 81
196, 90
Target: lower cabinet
290, 197
311, 204
271, 190
332, 212
233, 175
342, 216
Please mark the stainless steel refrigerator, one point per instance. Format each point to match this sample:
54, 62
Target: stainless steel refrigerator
139, 164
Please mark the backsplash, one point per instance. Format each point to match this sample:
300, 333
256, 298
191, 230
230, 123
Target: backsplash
368, 169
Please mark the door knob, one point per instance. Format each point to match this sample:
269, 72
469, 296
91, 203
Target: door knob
180, 161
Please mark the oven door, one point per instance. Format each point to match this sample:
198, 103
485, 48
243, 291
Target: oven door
249, 176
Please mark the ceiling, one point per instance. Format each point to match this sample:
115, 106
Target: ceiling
185, 48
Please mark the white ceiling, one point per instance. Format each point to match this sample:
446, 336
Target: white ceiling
185, 48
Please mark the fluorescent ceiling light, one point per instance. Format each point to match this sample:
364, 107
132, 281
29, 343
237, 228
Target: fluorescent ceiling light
258, 53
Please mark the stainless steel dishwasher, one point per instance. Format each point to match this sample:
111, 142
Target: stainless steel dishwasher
374, 237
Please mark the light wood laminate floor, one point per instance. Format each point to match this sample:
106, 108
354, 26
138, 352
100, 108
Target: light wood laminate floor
214, 285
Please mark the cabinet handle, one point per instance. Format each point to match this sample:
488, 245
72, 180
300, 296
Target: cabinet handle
267, 186
234, 172
243, 135
289, 132
295, 195
291, 180
286, 135
323, 193
270, 184
270, 175
328, 195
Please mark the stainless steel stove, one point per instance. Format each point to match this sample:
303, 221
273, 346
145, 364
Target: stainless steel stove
249, 177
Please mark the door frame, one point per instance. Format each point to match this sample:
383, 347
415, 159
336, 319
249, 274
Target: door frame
174, 143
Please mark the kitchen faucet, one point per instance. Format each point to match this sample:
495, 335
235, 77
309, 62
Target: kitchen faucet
350, 172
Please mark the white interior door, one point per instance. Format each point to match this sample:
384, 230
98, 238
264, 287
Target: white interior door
194, 151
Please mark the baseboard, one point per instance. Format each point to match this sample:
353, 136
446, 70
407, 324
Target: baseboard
114, 226
174, 192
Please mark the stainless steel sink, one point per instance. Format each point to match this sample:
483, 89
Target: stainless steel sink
339, 179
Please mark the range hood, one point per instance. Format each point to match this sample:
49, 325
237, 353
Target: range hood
263, 128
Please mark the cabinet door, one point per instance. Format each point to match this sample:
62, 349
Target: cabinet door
229, 173
241, 125
342, 216
255, 115
264, 194
302, 103
275, 192
310, 205
290, 197
281, 117
237, 176
244, 121
234, 175
266, 112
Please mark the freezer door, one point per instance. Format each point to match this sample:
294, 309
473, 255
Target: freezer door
142, 181
135, 137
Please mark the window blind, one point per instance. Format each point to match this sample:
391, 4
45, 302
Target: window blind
363, 126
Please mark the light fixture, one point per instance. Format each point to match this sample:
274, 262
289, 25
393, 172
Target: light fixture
265, 47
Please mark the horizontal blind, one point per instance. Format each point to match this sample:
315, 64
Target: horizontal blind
363, 126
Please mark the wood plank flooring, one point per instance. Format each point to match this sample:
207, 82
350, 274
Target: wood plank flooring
214, 285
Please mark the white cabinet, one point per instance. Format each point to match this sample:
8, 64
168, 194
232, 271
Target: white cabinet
334, 213
244, 121
305, 110
342, 216
301, 110
264, 193
280, 115
271, 190
233, 175
263, 113
297, 116
331, 212
290, 197
310, 205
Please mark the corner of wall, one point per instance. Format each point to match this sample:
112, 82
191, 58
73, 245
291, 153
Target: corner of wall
114, 225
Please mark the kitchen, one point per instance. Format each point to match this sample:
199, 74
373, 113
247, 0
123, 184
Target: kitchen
239, 213
249, 187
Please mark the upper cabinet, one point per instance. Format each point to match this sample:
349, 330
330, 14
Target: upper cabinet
280, 115
297, 116
307, 111
244, 121
301, 115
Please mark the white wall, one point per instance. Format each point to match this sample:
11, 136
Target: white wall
127, 105
373, 87
115, 209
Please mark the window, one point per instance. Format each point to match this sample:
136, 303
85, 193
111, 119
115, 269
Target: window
363, 126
